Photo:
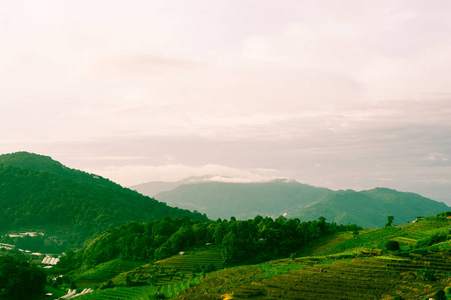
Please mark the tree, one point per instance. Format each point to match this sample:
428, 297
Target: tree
18, 280
392, 245
440, 295
389, 221
428, 275
128, 281
73, 285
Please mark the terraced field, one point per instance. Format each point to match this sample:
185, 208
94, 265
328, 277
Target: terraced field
321, 245
344, 267
141, 293
359, 278
105, 271
187, 262
337, 267
406, 235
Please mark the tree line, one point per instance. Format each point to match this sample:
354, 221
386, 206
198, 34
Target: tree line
258, 238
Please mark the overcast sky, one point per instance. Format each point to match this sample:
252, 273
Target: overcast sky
340, 94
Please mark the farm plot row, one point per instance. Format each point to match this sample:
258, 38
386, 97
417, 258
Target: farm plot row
186, 263
138, 293
377, 237
141, 293
356, 279
366, 240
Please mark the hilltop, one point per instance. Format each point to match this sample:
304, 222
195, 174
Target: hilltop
38, 193
292, 199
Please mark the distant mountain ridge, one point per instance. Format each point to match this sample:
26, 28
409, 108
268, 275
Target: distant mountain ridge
155, 187
296, 200
37, 192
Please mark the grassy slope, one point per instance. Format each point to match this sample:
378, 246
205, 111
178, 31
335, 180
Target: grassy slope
102, 272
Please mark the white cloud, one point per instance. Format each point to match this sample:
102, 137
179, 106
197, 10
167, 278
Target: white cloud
135, 174
434, 156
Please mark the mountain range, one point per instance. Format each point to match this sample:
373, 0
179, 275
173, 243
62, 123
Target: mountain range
293, 199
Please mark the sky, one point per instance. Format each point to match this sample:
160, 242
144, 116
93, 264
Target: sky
339, 94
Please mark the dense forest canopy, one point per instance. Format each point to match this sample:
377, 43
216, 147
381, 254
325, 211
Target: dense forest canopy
19, 280
255, 239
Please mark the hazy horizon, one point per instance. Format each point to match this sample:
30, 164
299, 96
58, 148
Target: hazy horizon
343, 95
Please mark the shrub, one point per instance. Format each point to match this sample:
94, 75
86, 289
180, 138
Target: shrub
448, 292
436, 238
392, 245
440, 295
160, 296
428, 275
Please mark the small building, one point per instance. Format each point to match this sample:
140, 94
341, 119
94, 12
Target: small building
48, 260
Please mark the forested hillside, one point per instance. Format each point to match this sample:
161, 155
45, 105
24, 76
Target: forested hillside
370, 208
247, 200
244, 200
255, 239
71, 204
47, 164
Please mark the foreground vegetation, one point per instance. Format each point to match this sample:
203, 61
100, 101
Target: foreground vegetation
411, 261
355, 264
253, 240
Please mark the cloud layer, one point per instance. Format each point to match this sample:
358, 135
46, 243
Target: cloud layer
346, 94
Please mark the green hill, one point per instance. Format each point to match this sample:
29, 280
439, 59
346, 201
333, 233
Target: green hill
296, 200
243, 200
47, 164
37, 193
370, 208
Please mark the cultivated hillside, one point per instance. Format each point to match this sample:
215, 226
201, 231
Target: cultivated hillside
411, 261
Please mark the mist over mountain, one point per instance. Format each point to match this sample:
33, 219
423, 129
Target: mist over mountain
296, 200
153, 188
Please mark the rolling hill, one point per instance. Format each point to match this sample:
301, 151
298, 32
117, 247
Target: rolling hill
293, 199
38, 193
244, 200
155, 187
370, 208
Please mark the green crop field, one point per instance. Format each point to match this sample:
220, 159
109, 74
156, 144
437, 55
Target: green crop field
344, 268
188, 261
101, 273
141, 293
